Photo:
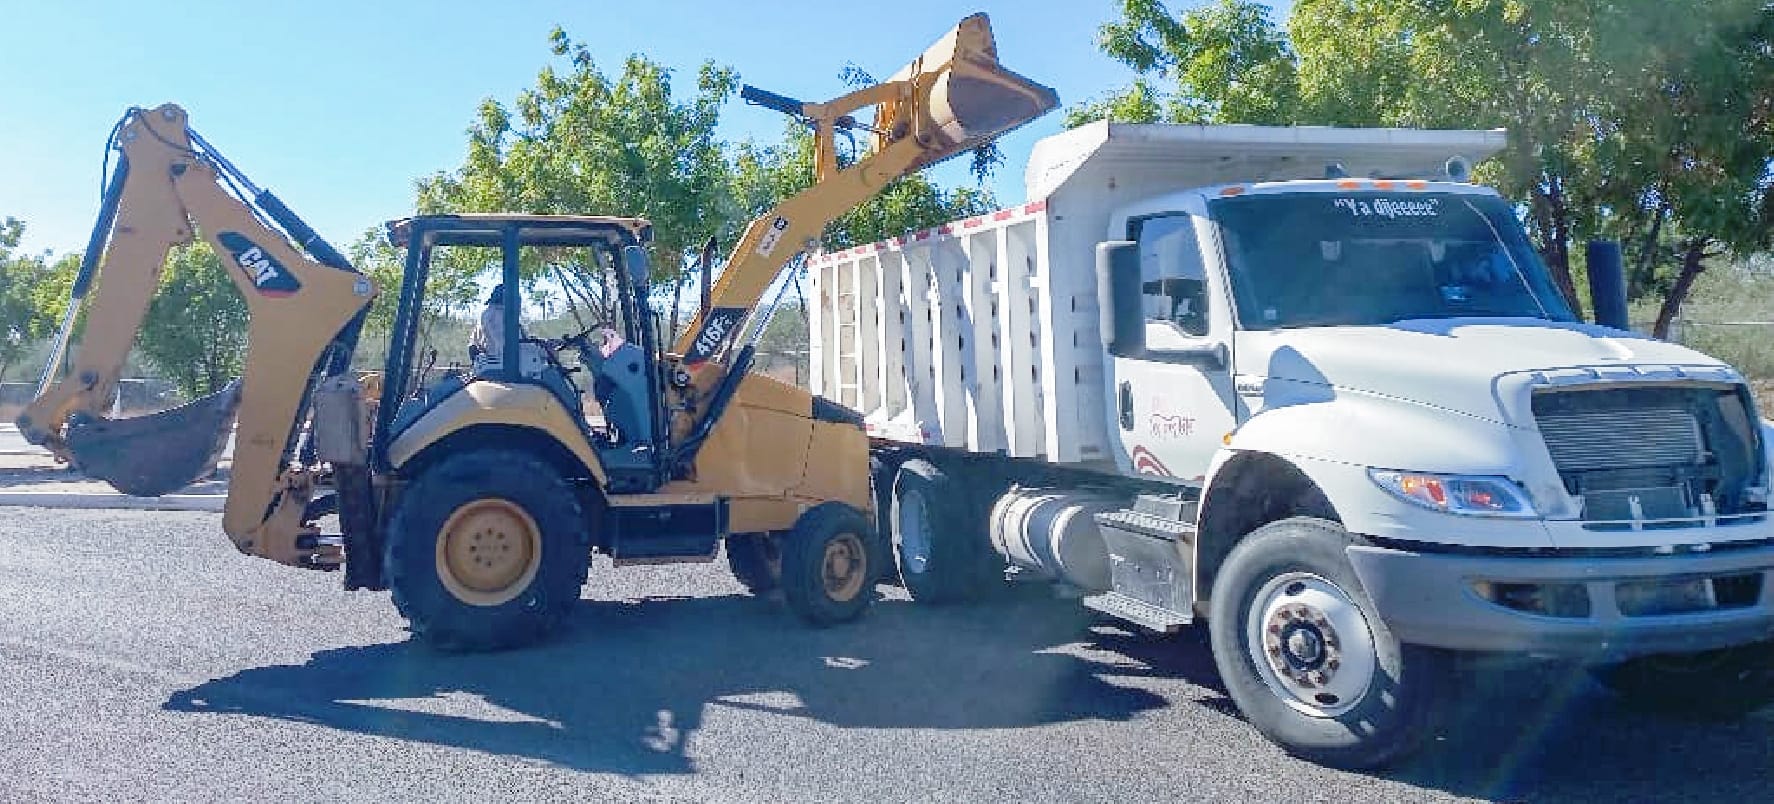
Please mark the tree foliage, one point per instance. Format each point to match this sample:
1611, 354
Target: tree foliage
582, 142
1625, 119
1227, 61
195, 330
33, 294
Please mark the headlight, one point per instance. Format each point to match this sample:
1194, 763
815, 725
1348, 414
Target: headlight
1456, 494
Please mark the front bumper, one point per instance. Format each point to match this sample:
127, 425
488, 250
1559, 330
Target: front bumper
1430, 599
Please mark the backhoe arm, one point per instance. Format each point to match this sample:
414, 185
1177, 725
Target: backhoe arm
303, 317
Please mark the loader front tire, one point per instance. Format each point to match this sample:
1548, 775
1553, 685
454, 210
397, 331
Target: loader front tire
829, 565
486, 550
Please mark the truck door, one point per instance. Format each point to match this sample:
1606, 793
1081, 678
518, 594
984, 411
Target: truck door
1175, 401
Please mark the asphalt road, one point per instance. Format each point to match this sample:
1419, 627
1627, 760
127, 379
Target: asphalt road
142, 659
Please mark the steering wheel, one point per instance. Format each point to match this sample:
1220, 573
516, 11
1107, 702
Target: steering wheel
578, 340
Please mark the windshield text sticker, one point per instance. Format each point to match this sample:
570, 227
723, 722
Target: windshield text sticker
1389, 208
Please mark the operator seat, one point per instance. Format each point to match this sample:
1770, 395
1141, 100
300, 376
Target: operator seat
620, 385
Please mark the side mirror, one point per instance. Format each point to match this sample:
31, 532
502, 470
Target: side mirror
639, 273
1123, 324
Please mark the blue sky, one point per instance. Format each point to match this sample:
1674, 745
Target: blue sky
339, 106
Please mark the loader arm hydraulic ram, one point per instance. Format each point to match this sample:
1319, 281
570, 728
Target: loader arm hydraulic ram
952, 99
304, 316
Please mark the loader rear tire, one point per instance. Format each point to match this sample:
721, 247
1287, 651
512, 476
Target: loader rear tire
487, 550
756, 561
828, 565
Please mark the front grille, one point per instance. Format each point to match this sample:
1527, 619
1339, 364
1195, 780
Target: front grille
1652, 452
1622, 439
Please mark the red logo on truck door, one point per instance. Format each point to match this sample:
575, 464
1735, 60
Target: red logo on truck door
1145, 463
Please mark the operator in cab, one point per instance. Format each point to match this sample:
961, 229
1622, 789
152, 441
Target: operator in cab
487, 342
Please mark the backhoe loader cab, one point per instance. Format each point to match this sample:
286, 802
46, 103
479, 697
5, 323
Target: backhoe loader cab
617, 379
497, 483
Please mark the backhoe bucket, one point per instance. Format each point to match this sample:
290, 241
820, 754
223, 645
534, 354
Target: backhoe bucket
962, 98
147, 456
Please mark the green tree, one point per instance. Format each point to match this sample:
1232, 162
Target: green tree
581, 142
195, 330
33, 294
1227, 62
1625, 119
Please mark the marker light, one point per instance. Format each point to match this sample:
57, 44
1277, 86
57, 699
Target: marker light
1456, 494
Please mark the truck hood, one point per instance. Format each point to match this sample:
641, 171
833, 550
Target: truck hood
1463, 364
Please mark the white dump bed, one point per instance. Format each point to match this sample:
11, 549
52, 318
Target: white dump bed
964, 336
982, 334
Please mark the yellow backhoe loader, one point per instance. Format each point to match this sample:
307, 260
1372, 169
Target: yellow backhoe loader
478, 497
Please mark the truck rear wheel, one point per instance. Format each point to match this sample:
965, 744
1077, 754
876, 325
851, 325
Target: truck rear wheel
1716, 684
1303, 654
756, 561
487, 549
939, 538
828, 565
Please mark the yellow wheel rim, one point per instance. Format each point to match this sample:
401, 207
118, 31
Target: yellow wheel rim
488, 551
844, 567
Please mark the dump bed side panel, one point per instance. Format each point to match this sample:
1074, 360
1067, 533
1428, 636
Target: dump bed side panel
969, 336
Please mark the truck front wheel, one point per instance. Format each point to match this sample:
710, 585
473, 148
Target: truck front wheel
1303, 654
939, 538
1719, 684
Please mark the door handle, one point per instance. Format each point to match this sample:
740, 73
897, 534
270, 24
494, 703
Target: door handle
1126, 405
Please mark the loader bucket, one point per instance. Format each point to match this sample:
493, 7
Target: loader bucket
147, 456
962, 98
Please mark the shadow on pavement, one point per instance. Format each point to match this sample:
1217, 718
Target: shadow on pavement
1538, 731
64, 479
25, 477
1546, 732
625, 687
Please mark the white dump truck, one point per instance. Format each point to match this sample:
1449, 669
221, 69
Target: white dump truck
1313, 387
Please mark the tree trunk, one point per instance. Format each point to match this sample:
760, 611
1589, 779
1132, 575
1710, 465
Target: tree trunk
677, 298
1693, 252
1555, 235
1647, 257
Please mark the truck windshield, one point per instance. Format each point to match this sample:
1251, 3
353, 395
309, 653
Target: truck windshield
1328, 259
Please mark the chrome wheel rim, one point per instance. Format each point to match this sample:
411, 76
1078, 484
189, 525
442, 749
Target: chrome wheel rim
1311, 644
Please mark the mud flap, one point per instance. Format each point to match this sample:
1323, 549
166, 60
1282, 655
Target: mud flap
147, 456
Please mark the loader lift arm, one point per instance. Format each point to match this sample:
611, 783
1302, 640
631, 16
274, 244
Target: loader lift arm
951, 99
305, 311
